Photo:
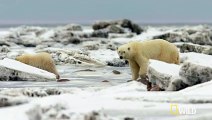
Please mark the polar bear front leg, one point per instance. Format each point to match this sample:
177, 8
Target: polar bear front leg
134, 69
142, 74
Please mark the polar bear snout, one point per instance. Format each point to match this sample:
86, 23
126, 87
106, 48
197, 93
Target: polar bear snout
121, 57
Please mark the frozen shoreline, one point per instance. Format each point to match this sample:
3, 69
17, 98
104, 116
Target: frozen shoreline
78, 52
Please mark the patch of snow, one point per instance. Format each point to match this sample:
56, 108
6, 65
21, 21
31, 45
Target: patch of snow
197, 58
48, 34
165, 68
203, 89
4, 33
103, 54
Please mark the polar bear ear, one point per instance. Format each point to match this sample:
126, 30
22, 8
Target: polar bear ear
128, 48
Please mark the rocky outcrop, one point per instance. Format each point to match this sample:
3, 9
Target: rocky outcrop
167, 78
102, 33
173, 37
202, 38
197, 35
4, 49
196, 68
56, 112
6, 101
68, 56
189, 47
115, 26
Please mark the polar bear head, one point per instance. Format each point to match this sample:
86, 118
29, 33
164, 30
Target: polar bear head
23, 58
124, 52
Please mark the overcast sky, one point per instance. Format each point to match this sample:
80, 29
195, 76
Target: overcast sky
87, 11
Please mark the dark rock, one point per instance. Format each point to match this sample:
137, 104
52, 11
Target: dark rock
105, 81
116, 72
125, 23
74, 40
188, 47
100, 33
87, 70
4, 43
172, 37
71, 40
136, 29
100, 25
128, 118
116, 62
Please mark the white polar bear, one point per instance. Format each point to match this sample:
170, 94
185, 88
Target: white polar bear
138, 55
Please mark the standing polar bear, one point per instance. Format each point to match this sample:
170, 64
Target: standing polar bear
138, 55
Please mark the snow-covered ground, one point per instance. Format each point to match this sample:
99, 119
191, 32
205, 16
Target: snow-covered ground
100, 92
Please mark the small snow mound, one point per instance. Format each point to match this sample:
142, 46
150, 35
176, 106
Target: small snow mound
133, 86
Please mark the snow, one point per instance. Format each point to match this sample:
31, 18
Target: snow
165, 68
48, 34
103, 54
4, 33
198, 89
125, 100
197, 58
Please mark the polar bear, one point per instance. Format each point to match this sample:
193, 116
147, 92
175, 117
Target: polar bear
41, 60
138, 55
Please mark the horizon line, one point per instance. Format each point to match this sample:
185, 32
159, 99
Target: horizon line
93, 21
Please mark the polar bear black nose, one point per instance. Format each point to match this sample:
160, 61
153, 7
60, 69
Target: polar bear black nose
121, 57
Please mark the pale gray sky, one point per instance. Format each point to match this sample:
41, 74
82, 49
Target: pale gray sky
83, 11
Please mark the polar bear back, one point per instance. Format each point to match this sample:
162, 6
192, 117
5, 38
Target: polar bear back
157, 49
